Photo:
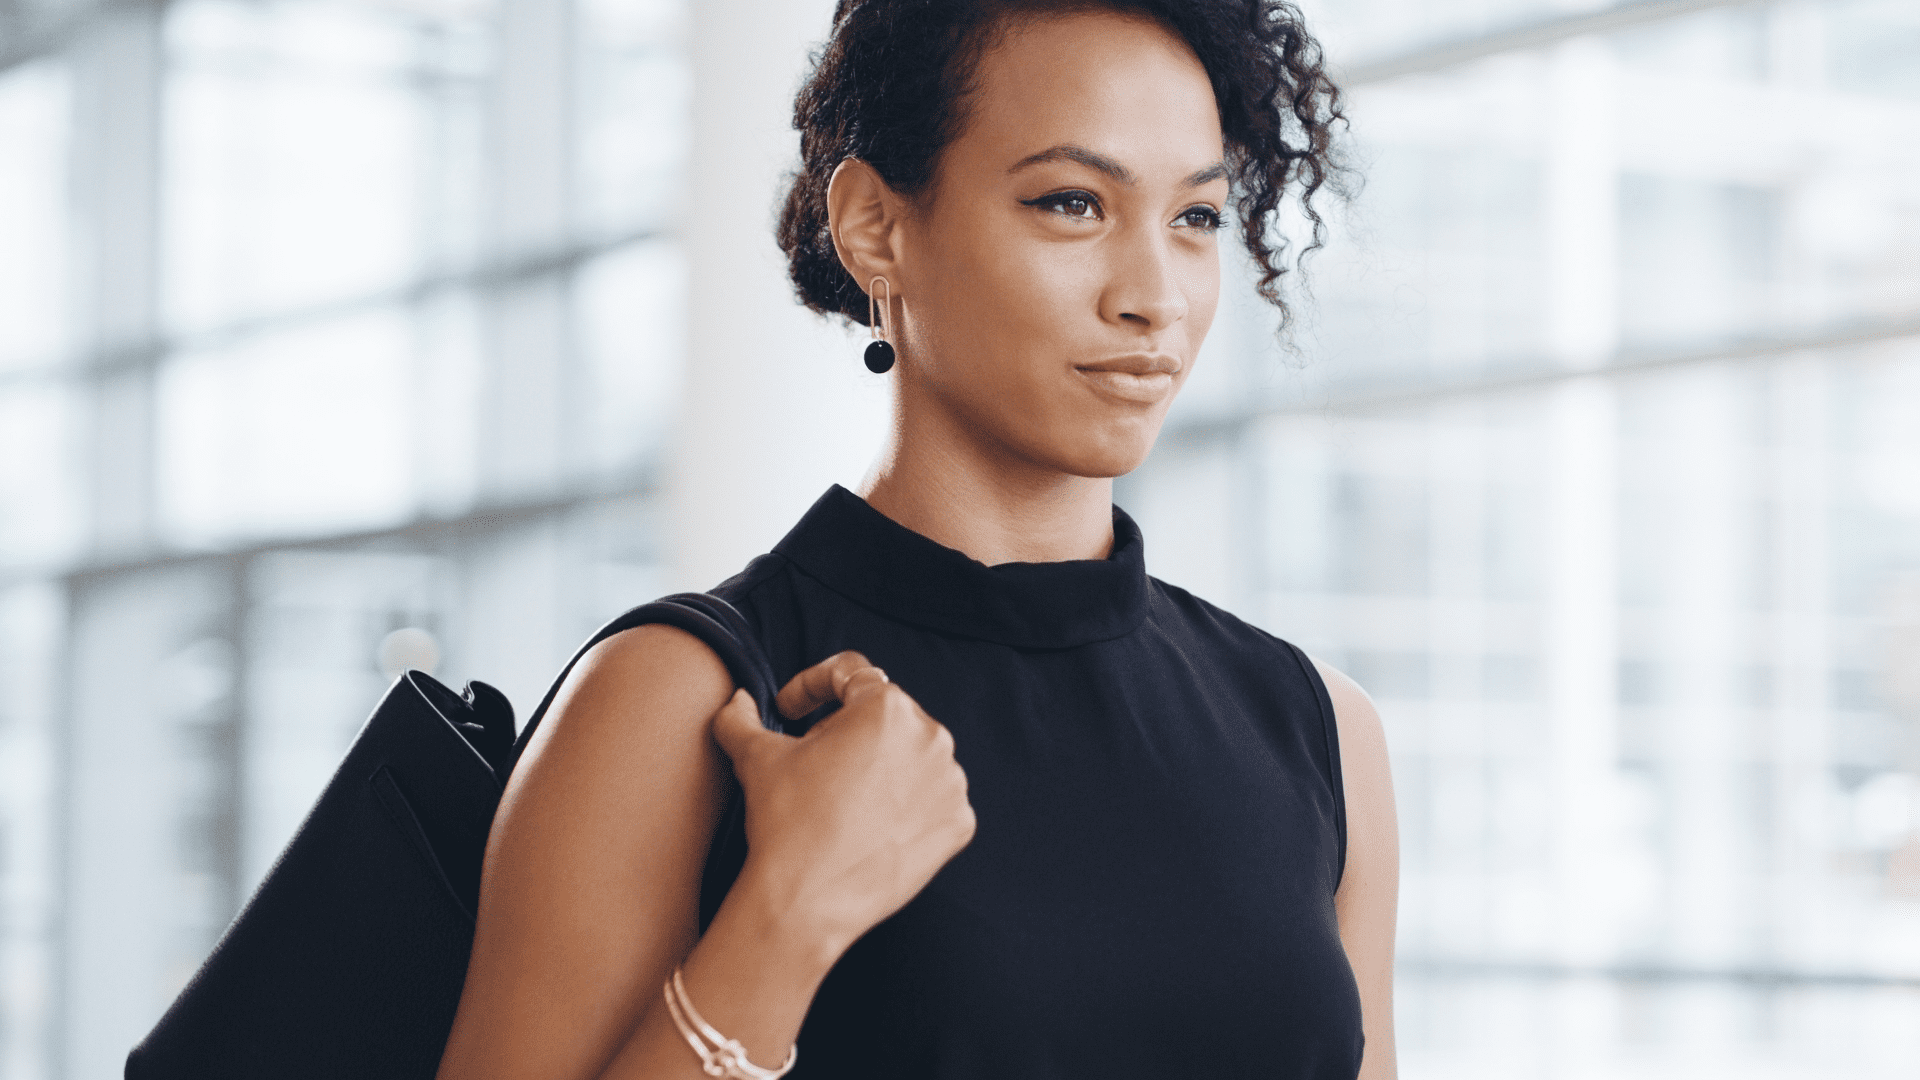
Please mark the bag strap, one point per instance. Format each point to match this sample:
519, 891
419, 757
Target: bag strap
705, 616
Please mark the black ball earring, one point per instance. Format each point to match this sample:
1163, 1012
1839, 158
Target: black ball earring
879, 350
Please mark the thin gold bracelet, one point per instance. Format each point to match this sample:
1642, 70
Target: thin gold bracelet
726, 1057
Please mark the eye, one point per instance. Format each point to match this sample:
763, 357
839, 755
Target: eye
1203, 218
1073, 204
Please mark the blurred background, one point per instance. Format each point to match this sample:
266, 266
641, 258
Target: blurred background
339, 336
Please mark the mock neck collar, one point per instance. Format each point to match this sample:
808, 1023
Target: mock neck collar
875, 561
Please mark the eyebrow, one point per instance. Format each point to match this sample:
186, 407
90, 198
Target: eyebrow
1215, 171
1102, 163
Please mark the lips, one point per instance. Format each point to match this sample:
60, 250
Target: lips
1140, 379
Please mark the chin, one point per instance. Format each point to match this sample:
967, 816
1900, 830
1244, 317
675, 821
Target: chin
1096, 447
1106, 460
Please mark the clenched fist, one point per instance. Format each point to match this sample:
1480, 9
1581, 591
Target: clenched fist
848, 822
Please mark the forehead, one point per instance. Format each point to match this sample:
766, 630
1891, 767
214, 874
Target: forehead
1120, 85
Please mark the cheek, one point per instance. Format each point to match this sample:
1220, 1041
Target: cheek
1200, 280
1002, 303
1011, 285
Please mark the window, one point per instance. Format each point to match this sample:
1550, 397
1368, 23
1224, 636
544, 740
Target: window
338, 335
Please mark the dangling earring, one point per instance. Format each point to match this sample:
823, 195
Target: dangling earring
879, 350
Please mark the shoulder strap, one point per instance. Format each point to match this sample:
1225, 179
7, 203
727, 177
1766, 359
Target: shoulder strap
705, 616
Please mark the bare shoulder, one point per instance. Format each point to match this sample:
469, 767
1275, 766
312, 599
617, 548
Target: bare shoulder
626, 738
1362, 736
648, 671
591, 882
1373, 832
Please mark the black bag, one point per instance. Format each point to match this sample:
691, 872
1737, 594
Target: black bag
348, 961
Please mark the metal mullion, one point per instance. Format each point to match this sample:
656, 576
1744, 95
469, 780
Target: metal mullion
1624, 365
489, 275
1757, 977
424, 530
1533, 35
55, 35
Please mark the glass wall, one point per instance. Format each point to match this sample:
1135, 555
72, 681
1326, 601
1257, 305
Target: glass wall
1597, 460
335, 337
339, 336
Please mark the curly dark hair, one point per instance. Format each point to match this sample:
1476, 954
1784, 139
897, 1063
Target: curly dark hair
890, 88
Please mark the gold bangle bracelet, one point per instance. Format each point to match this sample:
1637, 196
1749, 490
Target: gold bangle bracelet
725, 1057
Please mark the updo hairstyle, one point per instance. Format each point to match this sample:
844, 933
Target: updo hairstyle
891, 84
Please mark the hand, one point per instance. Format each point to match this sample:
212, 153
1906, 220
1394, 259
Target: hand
848, 822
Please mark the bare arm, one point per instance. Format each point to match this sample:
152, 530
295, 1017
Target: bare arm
590, 892
1370, 886
592, 874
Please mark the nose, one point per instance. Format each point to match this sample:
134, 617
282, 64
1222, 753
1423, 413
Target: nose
1143, 286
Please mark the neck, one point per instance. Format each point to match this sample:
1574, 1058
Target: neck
936, 478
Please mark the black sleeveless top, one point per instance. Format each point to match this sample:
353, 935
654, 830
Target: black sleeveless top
1149, 890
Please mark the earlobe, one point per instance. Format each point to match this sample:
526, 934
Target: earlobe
861, 217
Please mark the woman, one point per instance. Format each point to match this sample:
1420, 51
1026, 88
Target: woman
1066, 820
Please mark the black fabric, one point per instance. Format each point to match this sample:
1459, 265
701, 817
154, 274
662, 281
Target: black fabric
1161, 826
348, 960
